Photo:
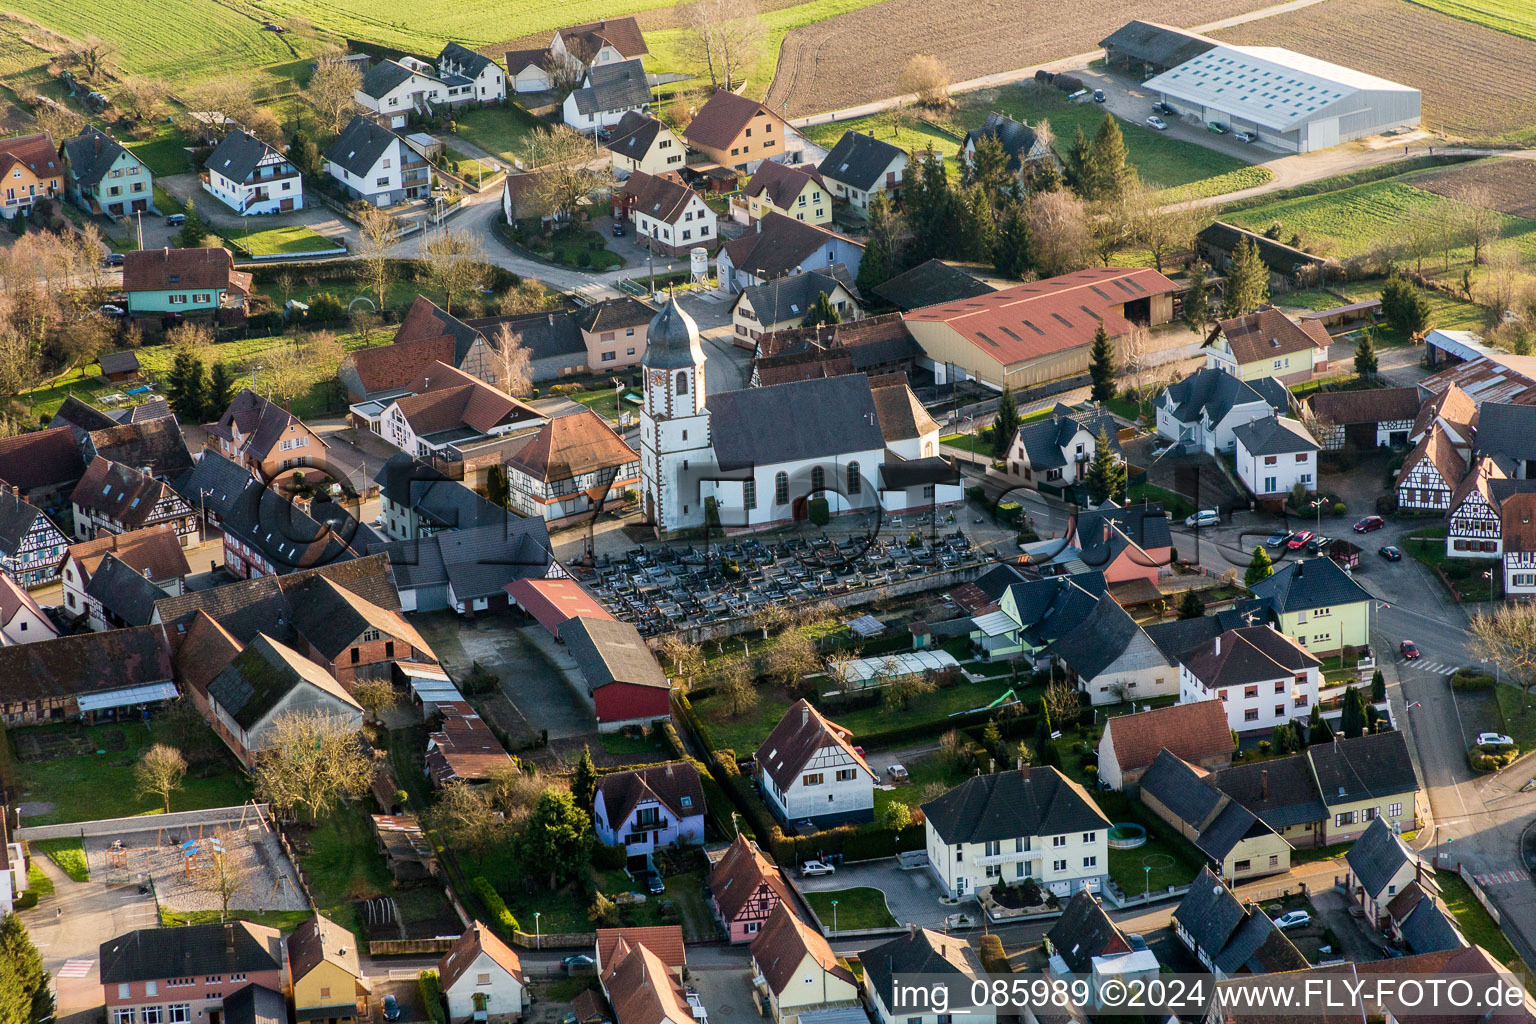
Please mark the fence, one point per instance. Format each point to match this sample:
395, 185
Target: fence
1477, 890
242, 815
561, 940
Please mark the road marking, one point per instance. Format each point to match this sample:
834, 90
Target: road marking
1503, 877
76, 968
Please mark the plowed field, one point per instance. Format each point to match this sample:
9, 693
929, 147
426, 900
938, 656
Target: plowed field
1508, 186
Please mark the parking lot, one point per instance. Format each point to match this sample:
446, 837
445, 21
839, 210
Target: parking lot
911, 896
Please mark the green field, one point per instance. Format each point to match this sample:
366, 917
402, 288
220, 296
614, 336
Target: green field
863, 907
500, 131
1349, 222
1516, 17
917, 135
295, 239
68, 855
1446, 311
1162, 162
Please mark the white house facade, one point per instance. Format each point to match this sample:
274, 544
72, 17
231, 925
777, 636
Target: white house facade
811, 772
1262, 678
1274, 455
252, 178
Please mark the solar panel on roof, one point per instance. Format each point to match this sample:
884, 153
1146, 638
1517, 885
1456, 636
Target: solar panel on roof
1032, 327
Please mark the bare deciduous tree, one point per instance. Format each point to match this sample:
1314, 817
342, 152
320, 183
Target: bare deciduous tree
927, 78
513, 362
330, 91
314, 761
143, 99
723, 38
91, 56
465, 820
375, 695
1481, 223
733, 682
224, 870
527, 296
566, 175
792, 658
1061, 703
159, 772
568, 70
687, 658
455, 264
1507, 637
378, 232
840, 667
1059, 234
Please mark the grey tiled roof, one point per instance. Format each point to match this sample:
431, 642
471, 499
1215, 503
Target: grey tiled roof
1309, 583
831, 416
1017, 139
443, 503
1506, 429
859, 160
920, 951
360, 145
154, 954
384, 76
1350, 770
608, 651
1429, 928
1011, 804
91, 155
793, 298
1083, 932
477, 562
1274, 435
123, 592
1044, 440
613, 87
1281, 792
1378, 855
237, 155
929, 284
1215, 392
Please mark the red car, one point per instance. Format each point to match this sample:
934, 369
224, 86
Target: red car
1370, 523
1299, 540
1409, 650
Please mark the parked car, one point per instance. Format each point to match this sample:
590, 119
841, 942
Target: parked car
1317, 543
176, 220
653, 883
1391, 553
1278, 539
1293, 919
111, 310
1246, 137
812, 868
1299, 540
1409, 650
897, 772
1098, 95
577, 961
1156, 122
1136, 941
114, 259
1370, 523
1205, 517
1163, 108
391, 1008
1217, 127
1494, 739
618, 229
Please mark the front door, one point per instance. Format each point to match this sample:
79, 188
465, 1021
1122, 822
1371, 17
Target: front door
960, 885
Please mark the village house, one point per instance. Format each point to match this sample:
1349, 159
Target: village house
1432, 472
784, 303
607, 94
427, 334
102, 177
482, 978
793, 966
624, 681
1381, 865
417, 500
1085, 942
1023, 146
31, 545
113, 498
263, 437
1419, 920
1201, 411
397, 90
1041, 331
744, 888
1012, 825
609, 41
809, 770
606, 335
665, 941
927, 953
1504, 432
1317, 604
1289, 267
30, 170
780, 246
444, 409
860, 165
1229, 936
463, 749
1261, 677
155, 447
874, 346
529, 70
1273, 455
1517, 526
573, 466
792, 191
1197, 733
86, 676
250, 177
373, 164
488, 81
1267, 343
1239, 844
118, 595
1054, 453
1448, 408
640, 974
191, 284
642, 143
644, 809
188, 973
326, 973
22, 619
42, 466
1474, 525
736, 132
85, 418
1378, 418
669, 216
468, 570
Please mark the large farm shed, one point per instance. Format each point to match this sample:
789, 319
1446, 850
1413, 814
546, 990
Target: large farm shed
1290, 101
1041, 331
1149, 48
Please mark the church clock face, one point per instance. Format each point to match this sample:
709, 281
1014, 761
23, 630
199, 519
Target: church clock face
657, 378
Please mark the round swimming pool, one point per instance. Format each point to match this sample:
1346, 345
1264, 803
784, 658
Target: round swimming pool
1126, 835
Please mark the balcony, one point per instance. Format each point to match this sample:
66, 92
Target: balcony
1009, 857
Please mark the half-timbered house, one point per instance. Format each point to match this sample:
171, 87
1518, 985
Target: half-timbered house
810, 771
1518, 516
1473, 525
1453, 410
1431, 472
31, 546
1363, 419
114, 498
744, 888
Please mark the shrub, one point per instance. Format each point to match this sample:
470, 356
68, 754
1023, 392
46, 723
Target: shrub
326, 306
608, 858
975, 493
1466, 679
1338, 508
432, 994
1486, 759
584, 258
270, 322
993, 959
819, 512
495, 907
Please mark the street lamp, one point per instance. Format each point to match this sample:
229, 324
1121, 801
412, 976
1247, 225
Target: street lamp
538, 942
834, 918
202, 503
1148, 891
1488, 575
1318, 504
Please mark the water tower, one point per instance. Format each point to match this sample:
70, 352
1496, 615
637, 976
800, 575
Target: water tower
698, 264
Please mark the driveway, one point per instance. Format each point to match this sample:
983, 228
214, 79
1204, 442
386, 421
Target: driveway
911, 896
726, 992
535, 675
319, 217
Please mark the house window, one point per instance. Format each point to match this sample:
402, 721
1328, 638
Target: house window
1270, 460
124, 990
151, 988
389, 648
325, 992
153, 1015
482, 979
1057, 841
1242, 865
1280, 686
682, 382
1251, 715
122, 1015
855, 484
749, 495
818, 480
1394, 810
781, 488
1301, 701
1279, 710
1090, 837
1058, 865
1301, 456
1250, 691
1274, 860
1344, 818
847, 774
181, 1013
811, 779
356, 655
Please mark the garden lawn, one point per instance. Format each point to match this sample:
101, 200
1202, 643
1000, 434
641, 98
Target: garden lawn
1445, 311
164, 153
1174, 504
972, 443
282, 920
68, 855
1475, 923
468, 167
601, 402
38, 882
1519, 711
921, 773
343, 864
293, 240
918, 135
933, 708
1161, 161
501, 131
100, 785
863, 907
570, 245
1174, 861
744, 732
618, 743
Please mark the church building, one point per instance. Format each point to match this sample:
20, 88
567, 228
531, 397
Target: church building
762, 456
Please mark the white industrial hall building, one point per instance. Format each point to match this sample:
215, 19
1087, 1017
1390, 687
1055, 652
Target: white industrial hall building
1292, 102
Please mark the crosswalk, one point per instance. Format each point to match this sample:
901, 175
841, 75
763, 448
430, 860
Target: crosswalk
1503, 877
1438, 668
76, 968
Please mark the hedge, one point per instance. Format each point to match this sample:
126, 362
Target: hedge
1499, 758
1467, 680
495, 906
432, 992
609, 858
352, 269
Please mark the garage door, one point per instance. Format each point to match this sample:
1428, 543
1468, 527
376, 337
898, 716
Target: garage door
1322, 134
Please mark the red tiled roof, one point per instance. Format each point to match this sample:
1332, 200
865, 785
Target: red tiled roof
1441, 453
722, 118
464, 748
395, 366
155, 548
784, 943
161, 269
1375, 406
623, 33
551, 602
1191, 732
782, 182
658, 197
35, 152
794, 741
41, 458
1044, 317
571, 446
1267, 332
477, 939
1518, 522
737, 875
665, 940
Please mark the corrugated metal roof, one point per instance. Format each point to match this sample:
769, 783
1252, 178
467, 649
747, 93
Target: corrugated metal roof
126, 696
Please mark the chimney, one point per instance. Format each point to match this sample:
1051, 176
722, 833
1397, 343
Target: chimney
1264, 783
1218, 645
991, 766
911, 931
1018, 764
669, 769
229, 937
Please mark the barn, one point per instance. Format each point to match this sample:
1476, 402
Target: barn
1148, 48
1291, 102
625, 682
